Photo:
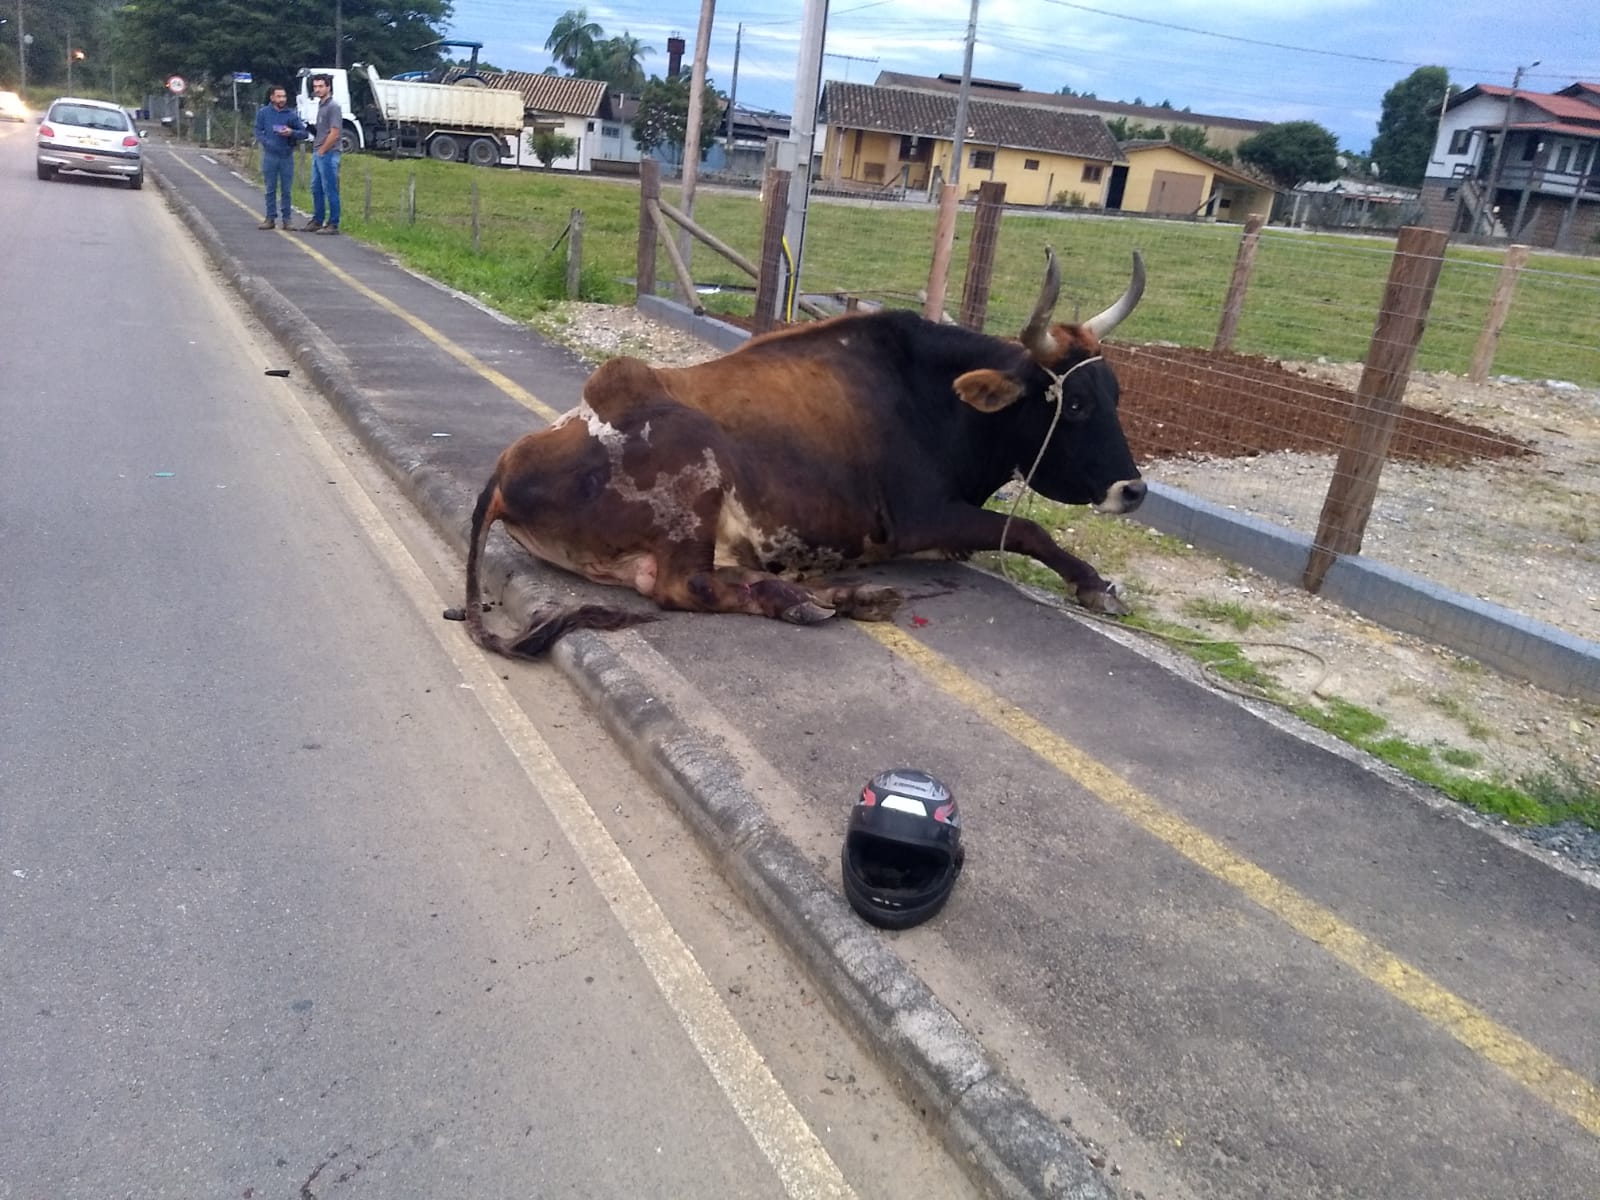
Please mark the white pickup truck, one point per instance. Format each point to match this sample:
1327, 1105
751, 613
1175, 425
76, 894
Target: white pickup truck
459, 122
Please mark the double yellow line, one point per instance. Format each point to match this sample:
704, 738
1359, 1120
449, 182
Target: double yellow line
1563, 1089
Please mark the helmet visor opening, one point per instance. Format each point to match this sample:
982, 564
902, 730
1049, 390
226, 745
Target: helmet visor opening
896, 867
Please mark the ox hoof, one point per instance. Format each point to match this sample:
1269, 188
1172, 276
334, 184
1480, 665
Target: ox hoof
871, 603
1108, 602
455, 614
807, 612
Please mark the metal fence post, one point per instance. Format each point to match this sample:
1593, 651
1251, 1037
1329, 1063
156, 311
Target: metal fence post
1418, 258
411, 199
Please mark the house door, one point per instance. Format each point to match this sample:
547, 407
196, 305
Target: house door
1175, 193
1118, 185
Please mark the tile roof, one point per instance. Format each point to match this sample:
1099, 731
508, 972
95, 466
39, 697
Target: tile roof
561, 95
1569, 107
933, 114
1008, 93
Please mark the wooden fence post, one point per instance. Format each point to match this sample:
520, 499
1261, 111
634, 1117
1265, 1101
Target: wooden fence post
644, 271
776, 191
411, 198
1243, 264
944, 240
1499, 308
1419, 255
980, 258
475, 242
575, 254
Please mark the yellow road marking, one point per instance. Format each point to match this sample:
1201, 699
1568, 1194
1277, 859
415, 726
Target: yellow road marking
1560, 1087
1531, 1067
463, 356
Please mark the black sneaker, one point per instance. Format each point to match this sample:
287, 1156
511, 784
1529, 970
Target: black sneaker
311, 227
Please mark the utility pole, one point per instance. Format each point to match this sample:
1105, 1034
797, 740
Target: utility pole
338, 33
691, 132
733, 96
69, 56
945, 231
22, 50
1500, 142
795, 154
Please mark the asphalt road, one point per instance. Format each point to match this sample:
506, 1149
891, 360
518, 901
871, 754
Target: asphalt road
298, 896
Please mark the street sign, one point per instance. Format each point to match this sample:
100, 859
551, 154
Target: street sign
175, 85
243, 77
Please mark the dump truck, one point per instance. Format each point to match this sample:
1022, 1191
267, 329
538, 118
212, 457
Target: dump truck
466, 121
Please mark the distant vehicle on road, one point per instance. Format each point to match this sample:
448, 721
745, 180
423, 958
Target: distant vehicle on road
91, 136
12, 107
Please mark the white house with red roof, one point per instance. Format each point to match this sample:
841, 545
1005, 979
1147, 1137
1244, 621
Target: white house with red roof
1542, 189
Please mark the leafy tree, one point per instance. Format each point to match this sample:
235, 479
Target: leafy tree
207, 39
1409, 123
618, 61
1193, 138
1067, 91
1293, 153
548, 145
663, 116
482, 64
571, 37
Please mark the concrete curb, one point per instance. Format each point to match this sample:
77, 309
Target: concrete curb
1517, 645
1008, 1145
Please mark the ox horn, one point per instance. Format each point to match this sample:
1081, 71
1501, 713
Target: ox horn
1103, 323
1036, 336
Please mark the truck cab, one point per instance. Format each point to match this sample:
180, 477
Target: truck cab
357, 134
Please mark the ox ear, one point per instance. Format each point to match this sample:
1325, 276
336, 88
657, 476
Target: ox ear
988, 391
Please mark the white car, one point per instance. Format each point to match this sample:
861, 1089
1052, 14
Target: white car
92, 136
12, 107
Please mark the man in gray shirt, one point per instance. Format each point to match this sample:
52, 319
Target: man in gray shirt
325, 159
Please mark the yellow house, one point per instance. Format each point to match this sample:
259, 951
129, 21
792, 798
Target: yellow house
892, 138
1162, 179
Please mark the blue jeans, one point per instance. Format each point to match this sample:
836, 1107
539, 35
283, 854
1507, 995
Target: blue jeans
325, 188
277, 171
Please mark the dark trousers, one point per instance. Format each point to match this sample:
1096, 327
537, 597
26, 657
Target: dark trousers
277, 172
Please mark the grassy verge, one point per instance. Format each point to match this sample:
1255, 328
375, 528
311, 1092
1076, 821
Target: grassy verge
1555, 794
1312, 295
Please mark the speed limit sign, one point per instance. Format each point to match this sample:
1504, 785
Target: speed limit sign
175, 85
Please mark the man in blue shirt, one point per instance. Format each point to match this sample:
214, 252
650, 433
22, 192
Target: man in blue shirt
278, 128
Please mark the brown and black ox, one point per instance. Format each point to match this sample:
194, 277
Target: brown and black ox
718, 487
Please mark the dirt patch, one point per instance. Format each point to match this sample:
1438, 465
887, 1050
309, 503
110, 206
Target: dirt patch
1428, 695
1182, 402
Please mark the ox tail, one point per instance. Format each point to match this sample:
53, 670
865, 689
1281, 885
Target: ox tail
547, 624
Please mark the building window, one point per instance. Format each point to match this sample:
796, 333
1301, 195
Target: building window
1450, 192
1030, 164
1530, 149
981, 160
1460, 140
1091, 173
1563, 160
591, 127
872, 172
611, 130
1581, 163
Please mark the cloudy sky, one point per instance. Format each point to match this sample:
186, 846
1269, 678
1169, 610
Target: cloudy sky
1328, 61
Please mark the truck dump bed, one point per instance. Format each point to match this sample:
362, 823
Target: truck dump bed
448, 105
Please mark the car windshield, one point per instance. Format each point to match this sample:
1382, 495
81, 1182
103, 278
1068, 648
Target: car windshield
86, 116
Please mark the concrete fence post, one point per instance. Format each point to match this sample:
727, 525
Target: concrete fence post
575, 254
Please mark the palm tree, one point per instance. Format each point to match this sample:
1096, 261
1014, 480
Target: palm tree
572, 37
618, 61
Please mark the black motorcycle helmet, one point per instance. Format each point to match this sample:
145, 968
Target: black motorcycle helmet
902, 851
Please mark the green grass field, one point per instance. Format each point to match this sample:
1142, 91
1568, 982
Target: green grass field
1312, 294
